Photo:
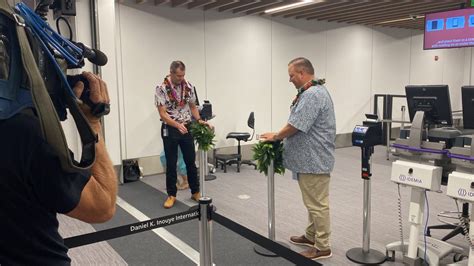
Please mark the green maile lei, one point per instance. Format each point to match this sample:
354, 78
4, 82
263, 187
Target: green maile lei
264, 152
203, 135
305, 87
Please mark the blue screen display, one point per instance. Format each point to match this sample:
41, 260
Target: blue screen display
455, 23
435, 25
360, 129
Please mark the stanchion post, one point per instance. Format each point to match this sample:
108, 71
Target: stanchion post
205, 232
121, 177
365, 255
387, 136
271, 200
202, 170
271, 212
366, 214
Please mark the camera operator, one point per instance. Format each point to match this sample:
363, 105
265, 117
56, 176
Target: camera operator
34, 188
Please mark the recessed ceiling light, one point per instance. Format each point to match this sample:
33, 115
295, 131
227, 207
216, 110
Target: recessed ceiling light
291, 6
412, 17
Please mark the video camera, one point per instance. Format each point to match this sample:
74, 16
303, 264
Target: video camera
34, 60
51, 74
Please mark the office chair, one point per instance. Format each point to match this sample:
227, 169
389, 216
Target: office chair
447, 216
455, 227
228, 159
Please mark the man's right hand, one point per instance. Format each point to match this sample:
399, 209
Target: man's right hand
182, 128
268, 137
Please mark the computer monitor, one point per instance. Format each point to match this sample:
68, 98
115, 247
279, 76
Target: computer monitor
433, 100
468, 106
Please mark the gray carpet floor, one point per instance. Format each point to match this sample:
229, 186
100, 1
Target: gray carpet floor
242, 197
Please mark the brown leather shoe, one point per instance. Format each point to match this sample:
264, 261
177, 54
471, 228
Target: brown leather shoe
196, 196
301, 240
316, 254
169, 202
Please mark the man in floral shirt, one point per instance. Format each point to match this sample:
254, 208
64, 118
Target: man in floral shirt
309, 153
176, 103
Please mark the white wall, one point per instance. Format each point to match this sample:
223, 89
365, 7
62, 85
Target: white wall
240, 64
82, 33
238, 73
468, 63
471, 77
81, 25
291, 39
349, 73
147, 49
110, 73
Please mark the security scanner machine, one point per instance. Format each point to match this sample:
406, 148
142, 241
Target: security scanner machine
461, 182
423, 162
468, 108
366, 137
461, 185
467, 130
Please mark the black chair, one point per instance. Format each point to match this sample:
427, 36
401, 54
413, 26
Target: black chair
228, 159
447, 216
455, 227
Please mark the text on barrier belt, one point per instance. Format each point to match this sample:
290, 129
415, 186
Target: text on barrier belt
130, 229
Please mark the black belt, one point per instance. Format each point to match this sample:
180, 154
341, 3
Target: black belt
187, 124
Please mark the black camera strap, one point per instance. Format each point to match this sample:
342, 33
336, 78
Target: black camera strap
50, 124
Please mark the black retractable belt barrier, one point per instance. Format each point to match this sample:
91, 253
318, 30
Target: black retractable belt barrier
130, 229
278, 249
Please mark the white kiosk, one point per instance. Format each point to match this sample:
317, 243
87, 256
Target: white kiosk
461, 186
416, 169
420, 167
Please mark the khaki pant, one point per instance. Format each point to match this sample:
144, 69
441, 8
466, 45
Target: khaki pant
315, 192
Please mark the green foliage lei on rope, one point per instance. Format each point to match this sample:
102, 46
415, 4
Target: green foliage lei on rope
264, 152
203, 136
307, 86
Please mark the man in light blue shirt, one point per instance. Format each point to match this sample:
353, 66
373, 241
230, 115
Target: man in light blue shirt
309, 153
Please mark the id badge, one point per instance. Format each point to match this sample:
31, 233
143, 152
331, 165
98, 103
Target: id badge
165, 131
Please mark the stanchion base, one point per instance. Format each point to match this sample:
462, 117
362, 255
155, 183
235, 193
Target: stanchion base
210, 177
372, 257
267, 253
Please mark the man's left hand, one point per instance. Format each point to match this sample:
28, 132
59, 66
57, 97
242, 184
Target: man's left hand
202, 122
98, 94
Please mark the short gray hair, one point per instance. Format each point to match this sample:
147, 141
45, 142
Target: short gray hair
303, 64
177, 65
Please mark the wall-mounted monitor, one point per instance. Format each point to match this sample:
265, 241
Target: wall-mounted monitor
449, 29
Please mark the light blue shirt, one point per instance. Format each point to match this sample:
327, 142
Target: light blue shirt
311, 149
